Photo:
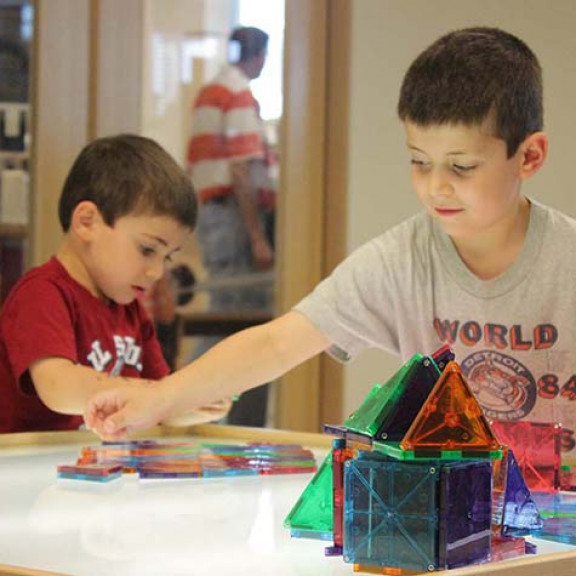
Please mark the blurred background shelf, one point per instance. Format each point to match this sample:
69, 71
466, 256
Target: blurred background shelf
14, 231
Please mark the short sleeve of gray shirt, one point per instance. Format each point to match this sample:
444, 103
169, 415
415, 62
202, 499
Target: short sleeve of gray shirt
358, 305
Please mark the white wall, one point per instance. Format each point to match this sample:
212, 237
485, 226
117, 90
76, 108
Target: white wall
386, 36
167, 101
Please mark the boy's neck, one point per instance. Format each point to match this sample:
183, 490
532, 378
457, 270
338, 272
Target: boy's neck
493, 253
68, 256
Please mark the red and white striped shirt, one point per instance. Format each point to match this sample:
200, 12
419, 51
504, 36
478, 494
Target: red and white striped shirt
226, 127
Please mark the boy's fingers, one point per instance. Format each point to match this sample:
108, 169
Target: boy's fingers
115, 423
102, 414
118, 437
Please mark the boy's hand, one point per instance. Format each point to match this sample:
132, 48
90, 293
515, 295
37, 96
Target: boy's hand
114, 414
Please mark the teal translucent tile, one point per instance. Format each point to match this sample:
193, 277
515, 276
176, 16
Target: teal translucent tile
558, 530
90, 477
312, 535
391, 514
555, 505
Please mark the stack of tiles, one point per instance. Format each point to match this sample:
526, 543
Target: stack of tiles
90, 472
154, 460
409, 482
558, 511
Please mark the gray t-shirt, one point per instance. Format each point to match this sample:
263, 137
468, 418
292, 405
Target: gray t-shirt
514, 336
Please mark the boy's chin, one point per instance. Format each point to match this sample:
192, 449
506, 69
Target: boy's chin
123, 300
453, 230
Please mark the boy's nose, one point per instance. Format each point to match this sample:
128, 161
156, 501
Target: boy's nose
156, 271
439, 184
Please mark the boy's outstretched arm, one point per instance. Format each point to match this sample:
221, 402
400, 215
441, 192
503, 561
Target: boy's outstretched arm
242, 361
66, 387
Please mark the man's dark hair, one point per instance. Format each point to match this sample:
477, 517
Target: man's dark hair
128, 174
473, 74
251, 42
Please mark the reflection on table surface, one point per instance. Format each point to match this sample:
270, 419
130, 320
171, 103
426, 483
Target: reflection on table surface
196, 526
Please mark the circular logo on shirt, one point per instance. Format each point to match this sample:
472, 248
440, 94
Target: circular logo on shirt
504, 387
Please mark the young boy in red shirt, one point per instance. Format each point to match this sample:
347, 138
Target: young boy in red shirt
74, 326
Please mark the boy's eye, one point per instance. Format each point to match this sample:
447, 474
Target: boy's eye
418, 163
461, 168
147, 251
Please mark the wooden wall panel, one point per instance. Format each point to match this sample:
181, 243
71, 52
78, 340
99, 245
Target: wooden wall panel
301, 218
60, 111
118, 66
336, 184
314, 188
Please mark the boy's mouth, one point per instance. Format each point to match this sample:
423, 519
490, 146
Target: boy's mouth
138, 290
447, 211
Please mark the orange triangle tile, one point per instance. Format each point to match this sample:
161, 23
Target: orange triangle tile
451, 418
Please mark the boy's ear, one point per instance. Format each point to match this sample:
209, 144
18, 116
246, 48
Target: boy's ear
533, 150
85, 219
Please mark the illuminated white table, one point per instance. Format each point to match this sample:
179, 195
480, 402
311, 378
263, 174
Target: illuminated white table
196, 527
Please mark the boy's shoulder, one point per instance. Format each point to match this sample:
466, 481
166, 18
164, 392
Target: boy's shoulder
397, 248
45, 283
36, 283
408, 235
556, 218
50, 286
51, 271
555, 228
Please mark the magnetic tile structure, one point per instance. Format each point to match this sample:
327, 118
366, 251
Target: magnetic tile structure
418, 481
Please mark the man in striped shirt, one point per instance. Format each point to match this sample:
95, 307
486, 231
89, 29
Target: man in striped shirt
228, 159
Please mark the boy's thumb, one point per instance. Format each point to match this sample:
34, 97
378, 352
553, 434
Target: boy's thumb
115, 423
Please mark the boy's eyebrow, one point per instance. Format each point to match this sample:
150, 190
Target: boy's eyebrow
454, 153
157, 238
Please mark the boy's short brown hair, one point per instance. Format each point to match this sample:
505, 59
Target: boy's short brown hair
128, 174
473, 74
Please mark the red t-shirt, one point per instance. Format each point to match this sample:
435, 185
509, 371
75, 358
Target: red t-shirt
49, 314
